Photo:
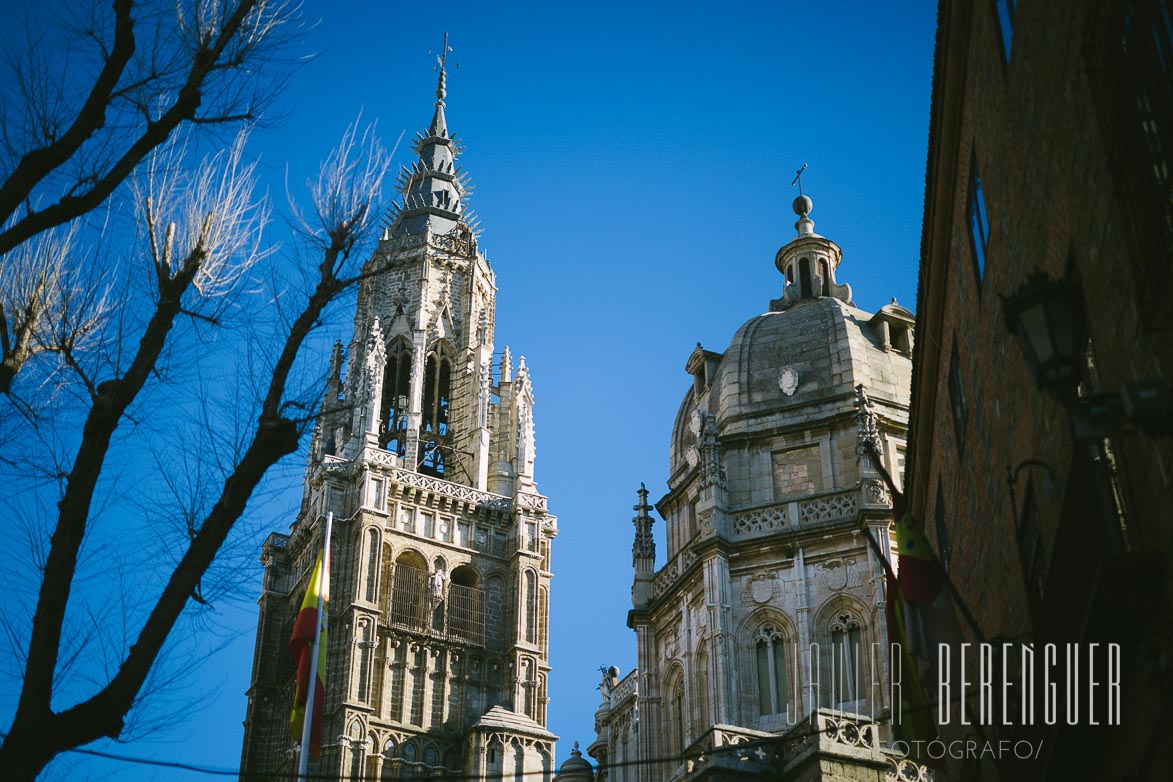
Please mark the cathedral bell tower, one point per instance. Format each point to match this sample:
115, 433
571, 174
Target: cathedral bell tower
440, 574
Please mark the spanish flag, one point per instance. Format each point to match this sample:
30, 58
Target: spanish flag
920, 614
302, 647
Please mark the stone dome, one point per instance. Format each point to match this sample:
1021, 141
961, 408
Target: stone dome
802, 363
575, 768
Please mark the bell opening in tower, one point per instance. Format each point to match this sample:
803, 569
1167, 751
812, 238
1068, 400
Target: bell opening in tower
396, 390
434, 433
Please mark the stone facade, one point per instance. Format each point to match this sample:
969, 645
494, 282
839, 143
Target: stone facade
440, 567
767, 617
1049, 152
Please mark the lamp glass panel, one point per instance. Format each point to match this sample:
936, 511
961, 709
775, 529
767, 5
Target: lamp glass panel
1033, 318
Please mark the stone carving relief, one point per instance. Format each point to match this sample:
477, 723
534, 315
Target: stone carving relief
761, 588
835, 575
712, 465
788, 381
876, 493
671, 644
869, 433
762, 520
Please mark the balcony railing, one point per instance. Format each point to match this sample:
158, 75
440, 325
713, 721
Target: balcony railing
466, 613
408, 597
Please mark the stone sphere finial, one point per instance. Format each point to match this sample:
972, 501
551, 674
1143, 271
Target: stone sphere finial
803, 205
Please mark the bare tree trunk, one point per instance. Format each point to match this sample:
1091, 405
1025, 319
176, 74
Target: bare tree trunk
32, 303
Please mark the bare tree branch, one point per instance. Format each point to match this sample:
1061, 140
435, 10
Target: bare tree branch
202, 236
218, 39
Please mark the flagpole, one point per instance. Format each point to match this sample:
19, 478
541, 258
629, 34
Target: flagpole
958, 600
308, 722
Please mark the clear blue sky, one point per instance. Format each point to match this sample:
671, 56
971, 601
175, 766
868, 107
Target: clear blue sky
632, 164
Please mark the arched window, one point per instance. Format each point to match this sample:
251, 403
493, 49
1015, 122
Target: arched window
676, 732
700, 693
366, 646
826, 277
531, 607
372, 591
770, 648
398, 672
396, 389
466, 609
355, 736
529, 687
846, 657
408, 596
543, 616
804, 278
410, 765
390, 762
385, 577
434, 427
494, 757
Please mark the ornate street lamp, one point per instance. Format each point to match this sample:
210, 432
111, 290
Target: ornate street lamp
1048, 317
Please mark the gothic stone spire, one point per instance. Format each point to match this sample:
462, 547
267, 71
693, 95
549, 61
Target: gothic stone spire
433, 190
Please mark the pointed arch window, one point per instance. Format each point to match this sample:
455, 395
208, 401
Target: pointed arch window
466, 617
700, 699
411, 766
434, 434
366, 647
390, 761
846, 657
408, 596
770, 649
531, 607
372, 574
676, 732
396, 389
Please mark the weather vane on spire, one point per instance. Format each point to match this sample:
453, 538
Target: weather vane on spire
442, 66
797, 175
442, 57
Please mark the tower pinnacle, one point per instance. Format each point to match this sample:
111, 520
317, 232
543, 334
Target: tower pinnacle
439, 126
434, 189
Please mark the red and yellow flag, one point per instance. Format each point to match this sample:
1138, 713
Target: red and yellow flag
920, 616
301, 646
921, 574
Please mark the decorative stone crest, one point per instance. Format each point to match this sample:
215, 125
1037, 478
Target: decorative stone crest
760, 589
836, 574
